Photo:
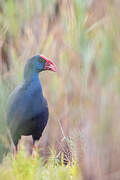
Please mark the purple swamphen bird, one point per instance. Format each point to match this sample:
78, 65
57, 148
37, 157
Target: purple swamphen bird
27, 110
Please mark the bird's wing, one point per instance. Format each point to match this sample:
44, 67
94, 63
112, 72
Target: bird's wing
24, 106
36, 124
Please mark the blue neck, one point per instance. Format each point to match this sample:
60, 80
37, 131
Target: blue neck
31, 76
33, 82
31, 79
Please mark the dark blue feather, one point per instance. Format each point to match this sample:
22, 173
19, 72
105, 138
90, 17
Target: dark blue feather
27, 112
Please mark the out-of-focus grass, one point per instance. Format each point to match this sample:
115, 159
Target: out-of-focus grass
83, 39
29, 168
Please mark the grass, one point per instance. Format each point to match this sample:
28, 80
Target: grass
28, 168
83, 39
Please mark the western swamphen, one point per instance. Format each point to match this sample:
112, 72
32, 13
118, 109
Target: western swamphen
27, 111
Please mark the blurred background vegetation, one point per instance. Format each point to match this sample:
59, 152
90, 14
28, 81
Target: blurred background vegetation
82, 37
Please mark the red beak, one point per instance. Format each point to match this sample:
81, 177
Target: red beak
50, 66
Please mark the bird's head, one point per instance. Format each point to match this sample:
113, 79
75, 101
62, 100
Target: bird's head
40, 63
37, 64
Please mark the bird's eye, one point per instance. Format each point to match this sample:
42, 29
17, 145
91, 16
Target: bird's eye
42, 60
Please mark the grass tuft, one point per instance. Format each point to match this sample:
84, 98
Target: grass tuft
25, 167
